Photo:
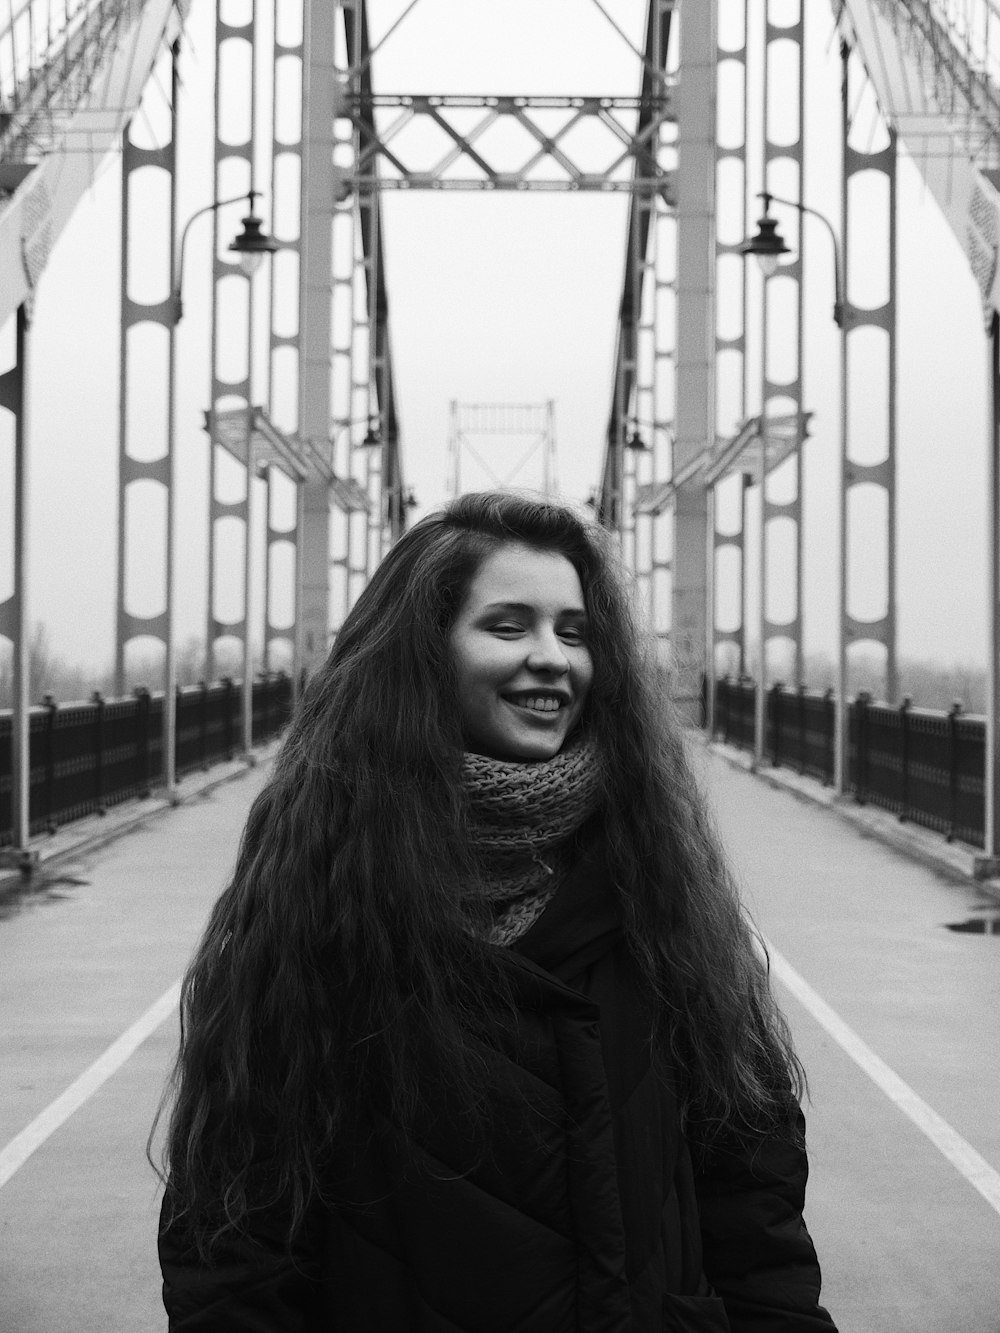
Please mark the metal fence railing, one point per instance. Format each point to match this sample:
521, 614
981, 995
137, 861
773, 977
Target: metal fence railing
924, 765
85, 757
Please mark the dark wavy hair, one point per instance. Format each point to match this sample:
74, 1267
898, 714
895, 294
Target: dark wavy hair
338, 976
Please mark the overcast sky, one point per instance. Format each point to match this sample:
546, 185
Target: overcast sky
514, 299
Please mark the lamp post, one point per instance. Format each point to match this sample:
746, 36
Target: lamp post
769, 245
252, 244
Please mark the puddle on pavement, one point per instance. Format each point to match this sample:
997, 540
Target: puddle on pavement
976, 925
39, 891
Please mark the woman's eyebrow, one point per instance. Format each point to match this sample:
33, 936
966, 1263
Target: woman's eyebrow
527, 609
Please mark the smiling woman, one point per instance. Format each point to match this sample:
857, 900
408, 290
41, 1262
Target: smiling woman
521, 657
478, 1038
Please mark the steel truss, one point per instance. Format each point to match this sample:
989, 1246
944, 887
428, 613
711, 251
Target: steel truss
14, 611
781, 398
136, 470
233, 325
881, 474
475, 426
641, 138
44, 82
734, 345
369, 503
546, 122
640, 436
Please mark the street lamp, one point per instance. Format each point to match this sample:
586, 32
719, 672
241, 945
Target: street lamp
251, 245
373, 436
768, 245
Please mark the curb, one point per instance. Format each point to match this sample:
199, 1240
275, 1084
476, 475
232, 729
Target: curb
80, 837
954, 860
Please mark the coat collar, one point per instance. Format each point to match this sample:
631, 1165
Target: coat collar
583, 920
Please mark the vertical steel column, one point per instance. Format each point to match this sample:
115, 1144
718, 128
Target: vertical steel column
364, 419
737, 344
283, 357
629, 440
551, 482
786, 392
131, 469
661, 533
840, 774
760, 693
854, 473
251, 471
317, 182
374, 409
14, 611
648, 441
170, 626
348, 427
991, 847
695, 343
454, 451
232, 391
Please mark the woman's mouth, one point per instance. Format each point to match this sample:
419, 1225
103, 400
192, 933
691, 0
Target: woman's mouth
536, 703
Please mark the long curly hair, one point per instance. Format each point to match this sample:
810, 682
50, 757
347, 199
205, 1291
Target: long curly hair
340, 949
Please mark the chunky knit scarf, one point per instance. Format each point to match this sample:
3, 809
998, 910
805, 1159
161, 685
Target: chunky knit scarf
521, 819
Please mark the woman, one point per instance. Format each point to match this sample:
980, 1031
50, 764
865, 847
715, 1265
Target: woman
477, 1038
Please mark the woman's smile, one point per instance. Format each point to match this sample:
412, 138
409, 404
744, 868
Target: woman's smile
538, 703
524, 668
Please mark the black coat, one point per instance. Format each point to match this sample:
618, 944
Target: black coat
586, 1216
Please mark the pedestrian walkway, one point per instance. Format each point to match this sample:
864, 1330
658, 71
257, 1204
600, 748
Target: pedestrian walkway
904, 1163
906, 1241
102, 942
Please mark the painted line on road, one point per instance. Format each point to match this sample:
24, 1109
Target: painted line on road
20, 1148
976, 1170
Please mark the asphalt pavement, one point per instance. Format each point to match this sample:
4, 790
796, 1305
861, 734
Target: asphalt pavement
904, 1197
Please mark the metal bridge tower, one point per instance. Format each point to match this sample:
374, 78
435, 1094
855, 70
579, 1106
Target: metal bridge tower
481, 430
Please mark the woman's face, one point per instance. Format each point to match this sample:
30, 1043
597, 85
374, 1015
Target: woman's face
520, 650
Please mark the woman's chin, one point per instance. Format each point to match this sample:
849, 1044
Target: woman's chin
532, 749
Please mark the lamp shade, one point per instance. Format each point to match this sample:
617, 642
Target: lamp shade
252, 244
768, 245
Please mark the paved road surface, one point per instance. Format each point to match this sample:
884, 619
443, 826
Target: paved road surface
907, 1242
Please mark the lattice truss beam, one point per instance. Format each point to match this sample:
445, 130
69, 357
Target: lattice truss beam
940, 69
638, 454
935, 68
502, 439
54, 61
464, 142
568, 143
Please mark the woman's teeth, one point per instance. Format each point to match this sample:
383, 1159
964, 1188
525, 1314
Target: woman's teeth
539, 703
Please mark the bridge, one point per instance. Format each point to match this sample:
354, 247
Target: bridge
276, 278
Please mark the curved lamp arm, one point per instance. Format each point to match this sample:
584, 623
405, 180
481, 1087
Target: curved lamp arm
176, 305
839, 301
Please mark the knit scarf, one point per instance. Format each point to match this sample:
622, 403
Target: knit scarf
521, 818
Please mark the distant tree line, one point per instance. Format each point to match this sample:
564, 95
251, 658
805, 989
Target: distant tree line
50, 673
929, 684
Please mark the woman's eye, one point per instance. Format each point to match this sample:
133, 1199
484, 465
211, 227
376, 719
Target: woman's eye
572, 634
507, 628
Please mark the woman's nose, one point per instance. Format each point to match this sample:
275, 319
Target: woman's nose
548, 654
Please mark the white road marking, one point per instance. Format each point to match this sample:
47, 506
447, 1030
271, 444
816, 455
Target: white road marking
972, 1166
976, 1170
20, 1148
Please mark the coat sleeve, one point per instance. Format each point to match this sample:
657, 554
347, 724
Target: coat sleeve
757, 1253
256, 1283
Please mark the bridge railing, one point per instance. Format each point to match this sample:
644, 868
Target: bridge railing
922, 764
86, 757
